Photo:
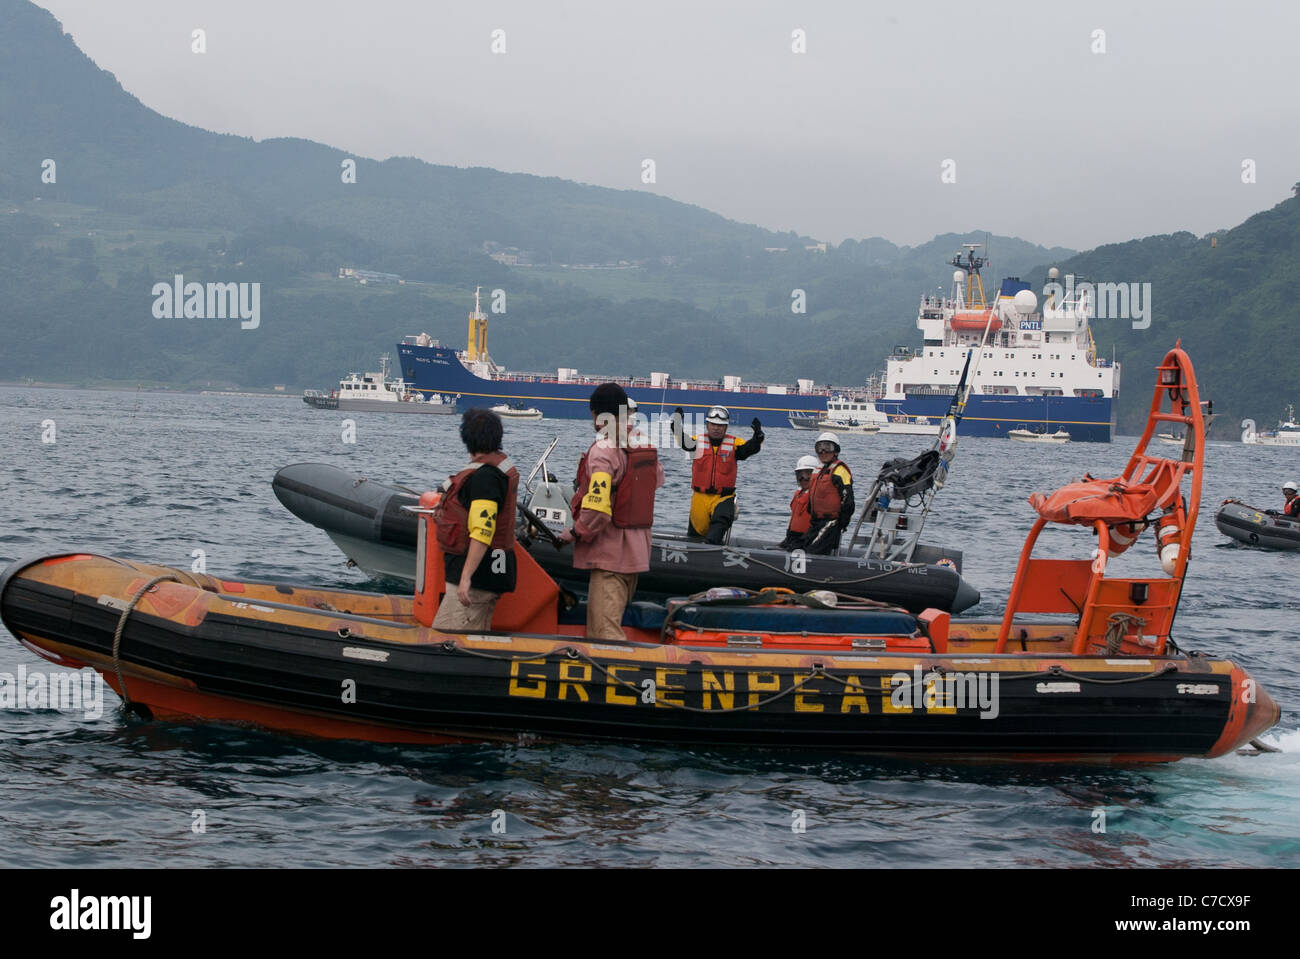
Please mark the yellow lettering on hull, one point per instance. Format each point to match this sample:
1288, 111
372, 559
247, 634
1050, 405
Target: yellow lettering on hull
569, 681
535, 691
724, 689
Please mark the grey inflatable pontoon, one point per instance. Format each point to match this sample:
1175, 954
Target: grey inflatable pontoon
1257, 527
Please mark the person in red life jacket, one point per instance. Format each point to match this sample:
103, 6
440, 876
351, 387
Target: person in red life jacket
475, 526
713, 472
613, 509
830, 497
800, 516
1291, 490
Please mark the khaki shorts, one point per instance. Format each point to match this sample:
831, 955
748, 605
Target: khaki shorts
607, 597
475, 618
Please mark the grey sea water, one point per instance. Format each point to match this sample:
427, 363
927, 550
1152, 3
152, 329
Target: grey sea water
157, 476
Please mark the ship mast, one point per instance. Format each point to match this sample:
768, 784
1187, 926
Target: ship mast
476, 348
972, 265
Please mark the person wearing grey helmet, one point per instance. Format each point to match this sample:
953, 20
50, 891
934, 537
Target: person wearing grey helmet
713, 472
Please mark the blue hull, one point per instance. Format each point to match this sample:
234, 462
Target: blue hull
436, 369
1086, 419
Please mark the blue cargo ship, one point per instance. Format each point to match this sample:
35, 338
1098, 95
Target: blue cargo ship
434, 368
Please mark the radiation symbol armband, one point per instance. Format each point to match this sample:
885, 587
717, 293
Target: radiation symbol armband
483, 520
597, 497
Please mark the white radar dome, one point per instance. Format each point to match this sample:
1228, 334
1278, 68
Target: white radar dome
1025, 302
1053, 273
958, 276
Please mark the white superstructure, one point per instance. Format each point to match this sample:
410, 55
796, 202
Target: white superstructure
1028, 352
1286, 434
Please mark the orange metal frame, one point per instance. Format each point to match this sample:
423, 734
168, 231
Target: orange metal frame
1060, 586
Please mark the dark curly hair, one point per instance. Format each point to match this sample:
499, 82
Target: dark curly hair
607, 398
480, 431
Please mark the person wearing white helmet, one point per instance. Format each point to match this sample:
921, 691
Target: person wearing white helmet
800, 518
830, 497
713, 472
1291, 490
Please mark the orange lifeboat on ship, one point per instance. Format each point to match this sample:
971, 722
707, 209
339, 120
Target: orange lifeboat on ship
975, 322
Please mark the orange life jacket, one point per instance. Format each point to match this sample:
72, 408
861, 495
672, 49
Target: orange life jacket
1292, 508
452, 518
633, 504
823, 497
714, 468
800, 517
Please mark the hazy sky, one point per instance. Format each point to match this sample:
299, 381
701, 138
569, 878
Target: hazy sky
1051, 141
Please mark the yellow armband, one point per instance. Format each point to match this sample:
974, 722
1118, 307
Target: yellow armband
845, 477
598, 497
483, 520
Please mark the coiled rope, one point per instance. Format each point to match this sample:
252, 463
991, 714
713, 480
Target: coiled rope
121, 625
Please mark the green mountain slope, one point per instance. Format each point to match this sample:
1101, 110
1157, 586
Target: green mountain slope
140, 198
1232, 304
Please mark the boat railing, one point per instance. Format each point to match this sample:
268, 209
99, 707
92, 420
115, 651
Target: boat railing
645, 383
1123, 615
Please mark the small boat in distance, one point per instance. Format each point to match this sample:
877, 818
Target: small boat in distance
1177, 439
1286, 434
1029, 436
857, 413
848, 426
517, 411
804, 421
377, 393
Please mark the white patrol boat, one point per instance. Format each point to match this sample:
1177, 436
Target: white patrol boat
376, 392
857, 413
1286, 434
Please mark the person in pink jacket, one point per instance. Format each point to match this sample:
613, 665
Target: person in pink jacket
613, 511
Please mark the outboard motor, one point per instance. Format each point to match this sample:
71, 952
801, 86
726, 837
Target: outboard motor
549, 502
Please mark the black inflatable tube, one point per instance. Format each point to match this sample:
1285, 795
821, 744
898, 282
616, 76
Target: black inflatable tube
340, 502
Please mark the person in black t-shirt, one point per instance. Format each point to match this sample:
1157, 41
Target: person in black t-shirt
476, 531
